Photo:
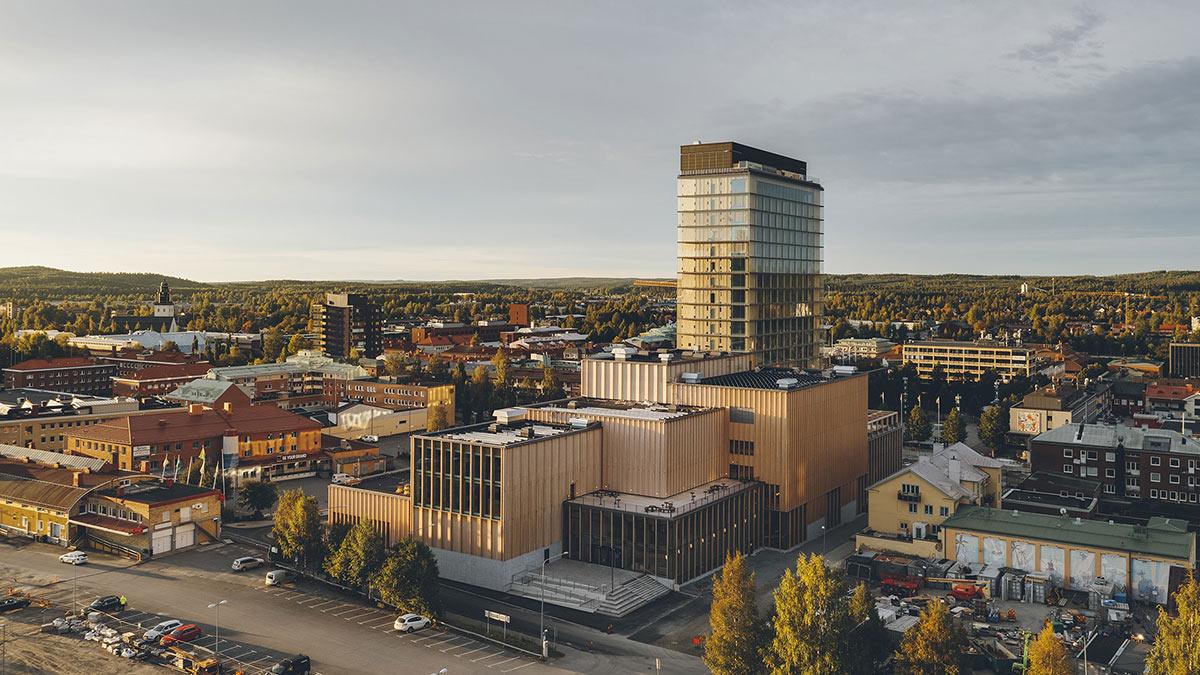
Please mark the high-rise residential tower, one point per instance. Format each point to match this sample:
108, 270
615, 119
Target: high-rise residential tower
750, 254
346, 323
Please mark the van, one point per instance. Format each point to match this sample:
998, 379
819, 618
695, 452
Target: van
277, 577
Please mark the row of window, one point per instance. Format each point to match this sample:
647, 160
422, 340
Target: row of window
1174, 496
943, 511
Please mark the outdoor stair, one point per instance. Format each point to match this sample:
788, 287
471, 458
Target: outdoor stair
631, 595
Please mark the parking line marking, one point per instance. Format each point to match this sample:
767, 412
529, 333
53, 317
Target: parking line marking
386, 622
502, 662
527, 663
431, 636
485, 656
480, 648
452, 638
324, 602
317, 599
468, 643
372, 619
347, 611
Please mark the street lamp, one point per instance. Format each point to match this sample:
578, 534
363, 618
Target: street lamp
542, 612
216, 607
823, 547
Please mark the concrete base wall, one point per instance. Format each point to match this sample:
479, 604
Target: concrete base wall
919, 548
487, 573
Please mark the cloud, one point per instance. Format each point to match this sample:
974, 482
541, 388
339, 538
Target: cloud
1064, 42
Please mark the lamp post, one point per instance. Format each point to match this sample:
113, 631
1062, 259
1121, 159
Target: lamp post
823, 547
542, 611
216, 607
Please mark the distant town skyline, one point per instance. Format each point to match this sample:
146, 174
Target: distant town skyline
469, 141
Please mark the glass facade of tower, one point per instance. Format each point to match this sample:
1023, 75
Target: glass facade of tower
750, 260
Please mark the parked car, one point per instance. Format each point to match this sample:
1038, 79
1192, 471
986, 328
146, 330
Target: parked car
12, 604
185, 633
370, 439
107, 603
408, 623
162, 628
276, 577
74, 558
295, 665
345, 479
247, 563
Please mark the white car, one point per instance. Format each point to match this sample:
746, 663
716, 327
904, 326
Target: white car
162, 628
74, 558
369, 439
345, 479
410, 622
246, 563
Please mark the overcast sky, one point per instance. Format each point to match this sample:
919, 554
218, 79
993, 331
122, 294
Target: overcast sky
432, 140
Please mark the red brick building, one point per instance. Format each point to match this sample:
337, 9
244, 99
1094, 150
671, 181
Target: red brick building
74, 374
157, 380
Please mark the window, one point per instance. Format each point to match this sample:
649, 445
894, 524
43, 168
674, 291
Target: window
1131, 466
741, 415
910, 489
1153, 493
1110, 456
1092, 454
944, 511
1110, 473
1131, 482
1155, 477
1173, 479
912, 508
741, 447
1067, 468
1110, 489
929, 509
1067, 452
904, 526
1174, 462
1155, 460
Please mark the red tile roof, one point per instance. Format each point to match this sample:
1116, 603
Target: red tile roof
1169, 391
63, 362
174, 426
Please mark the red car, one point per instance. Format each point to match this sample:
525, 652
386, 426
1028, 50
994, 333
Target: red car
185, 633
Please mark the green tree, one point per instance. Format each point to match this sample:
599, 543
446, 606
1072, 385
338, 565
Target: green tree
1176, 649
358, 556
917, 428
551, 386
811, 621
297, 343
297, 529
394, 364
438, 418
935, 646
732, 648
257, 496
500, 362
993, 425
408, 578
1048, 656
954, 428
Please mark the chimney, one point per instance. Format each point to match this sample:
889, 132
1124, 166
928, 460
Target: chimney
195, 409
954, 469
75, 478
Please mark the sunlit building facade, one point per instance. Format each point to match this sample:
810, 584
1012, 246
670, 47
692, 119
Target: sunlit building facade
750, 254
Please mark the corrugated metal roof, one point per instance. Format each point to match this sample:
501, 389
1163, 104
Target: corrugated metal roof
48, 457
1159, 538
39, 493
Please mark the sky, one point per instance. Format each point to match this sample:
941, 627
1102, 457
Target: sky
462, 140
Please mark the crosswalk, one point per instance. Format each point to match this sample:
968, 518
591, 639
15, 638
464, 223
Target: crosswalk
449, 642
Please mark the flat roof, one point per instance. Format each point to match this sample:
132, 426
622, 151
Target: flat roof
962, 344
666, 507
656, 356
783, 379
1159, 537
1048, 499
1110, 436
624, 409
496, 433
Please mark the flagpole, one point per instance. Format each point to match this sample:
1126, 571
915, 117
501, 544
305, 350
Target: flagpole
188, 474
175, 474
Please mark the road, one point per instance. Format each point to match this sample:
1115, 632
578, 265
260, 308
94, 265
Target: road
259, 625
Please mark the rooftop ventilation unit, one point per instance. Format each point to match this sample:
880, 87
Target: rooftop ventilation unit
666, 357
786, 382
509, 415
578, 422
622, 352
692, 378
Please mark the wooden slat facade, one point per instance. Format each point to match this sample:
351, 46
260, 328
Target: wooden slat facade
392, 514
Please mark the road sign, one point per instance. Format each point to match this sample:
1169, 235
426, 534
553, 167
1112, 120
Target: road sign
496, 616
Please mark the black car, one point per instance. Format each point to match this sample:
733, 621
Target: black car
9, 604
295, 665
108, 603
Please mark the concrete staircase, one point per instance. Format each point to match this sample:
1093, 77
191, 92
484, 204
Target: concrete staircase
625, 598
631, 595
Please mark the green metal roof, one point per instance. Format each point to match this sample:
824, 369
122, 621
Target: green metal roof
1160, 537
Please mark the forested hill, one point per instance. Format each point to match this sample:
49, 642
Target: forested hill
50, 283
1141, 282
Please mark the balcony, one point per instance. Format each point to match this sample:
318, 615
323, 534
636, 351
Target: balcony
908, 496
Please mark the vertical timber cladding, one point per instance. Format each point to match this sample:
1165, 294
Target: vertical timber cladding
390, 513
681, 547
646, 378
808, 441
499, 501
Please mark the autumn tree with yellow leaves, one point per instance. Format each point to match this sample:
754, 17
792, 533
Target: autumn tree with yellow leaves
732, 647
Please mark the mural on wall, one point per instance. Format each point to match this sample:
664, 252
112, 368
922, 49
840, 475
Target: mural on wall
966, 549
1150, 581
1022, 555
1029, 422
1114, 568
1083, 570
994, 552
1053, 563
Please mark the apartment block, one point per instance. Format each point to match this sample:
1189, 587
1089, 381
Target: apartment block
1184, 359
347, 323
968, 360
72, 374
34, 418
